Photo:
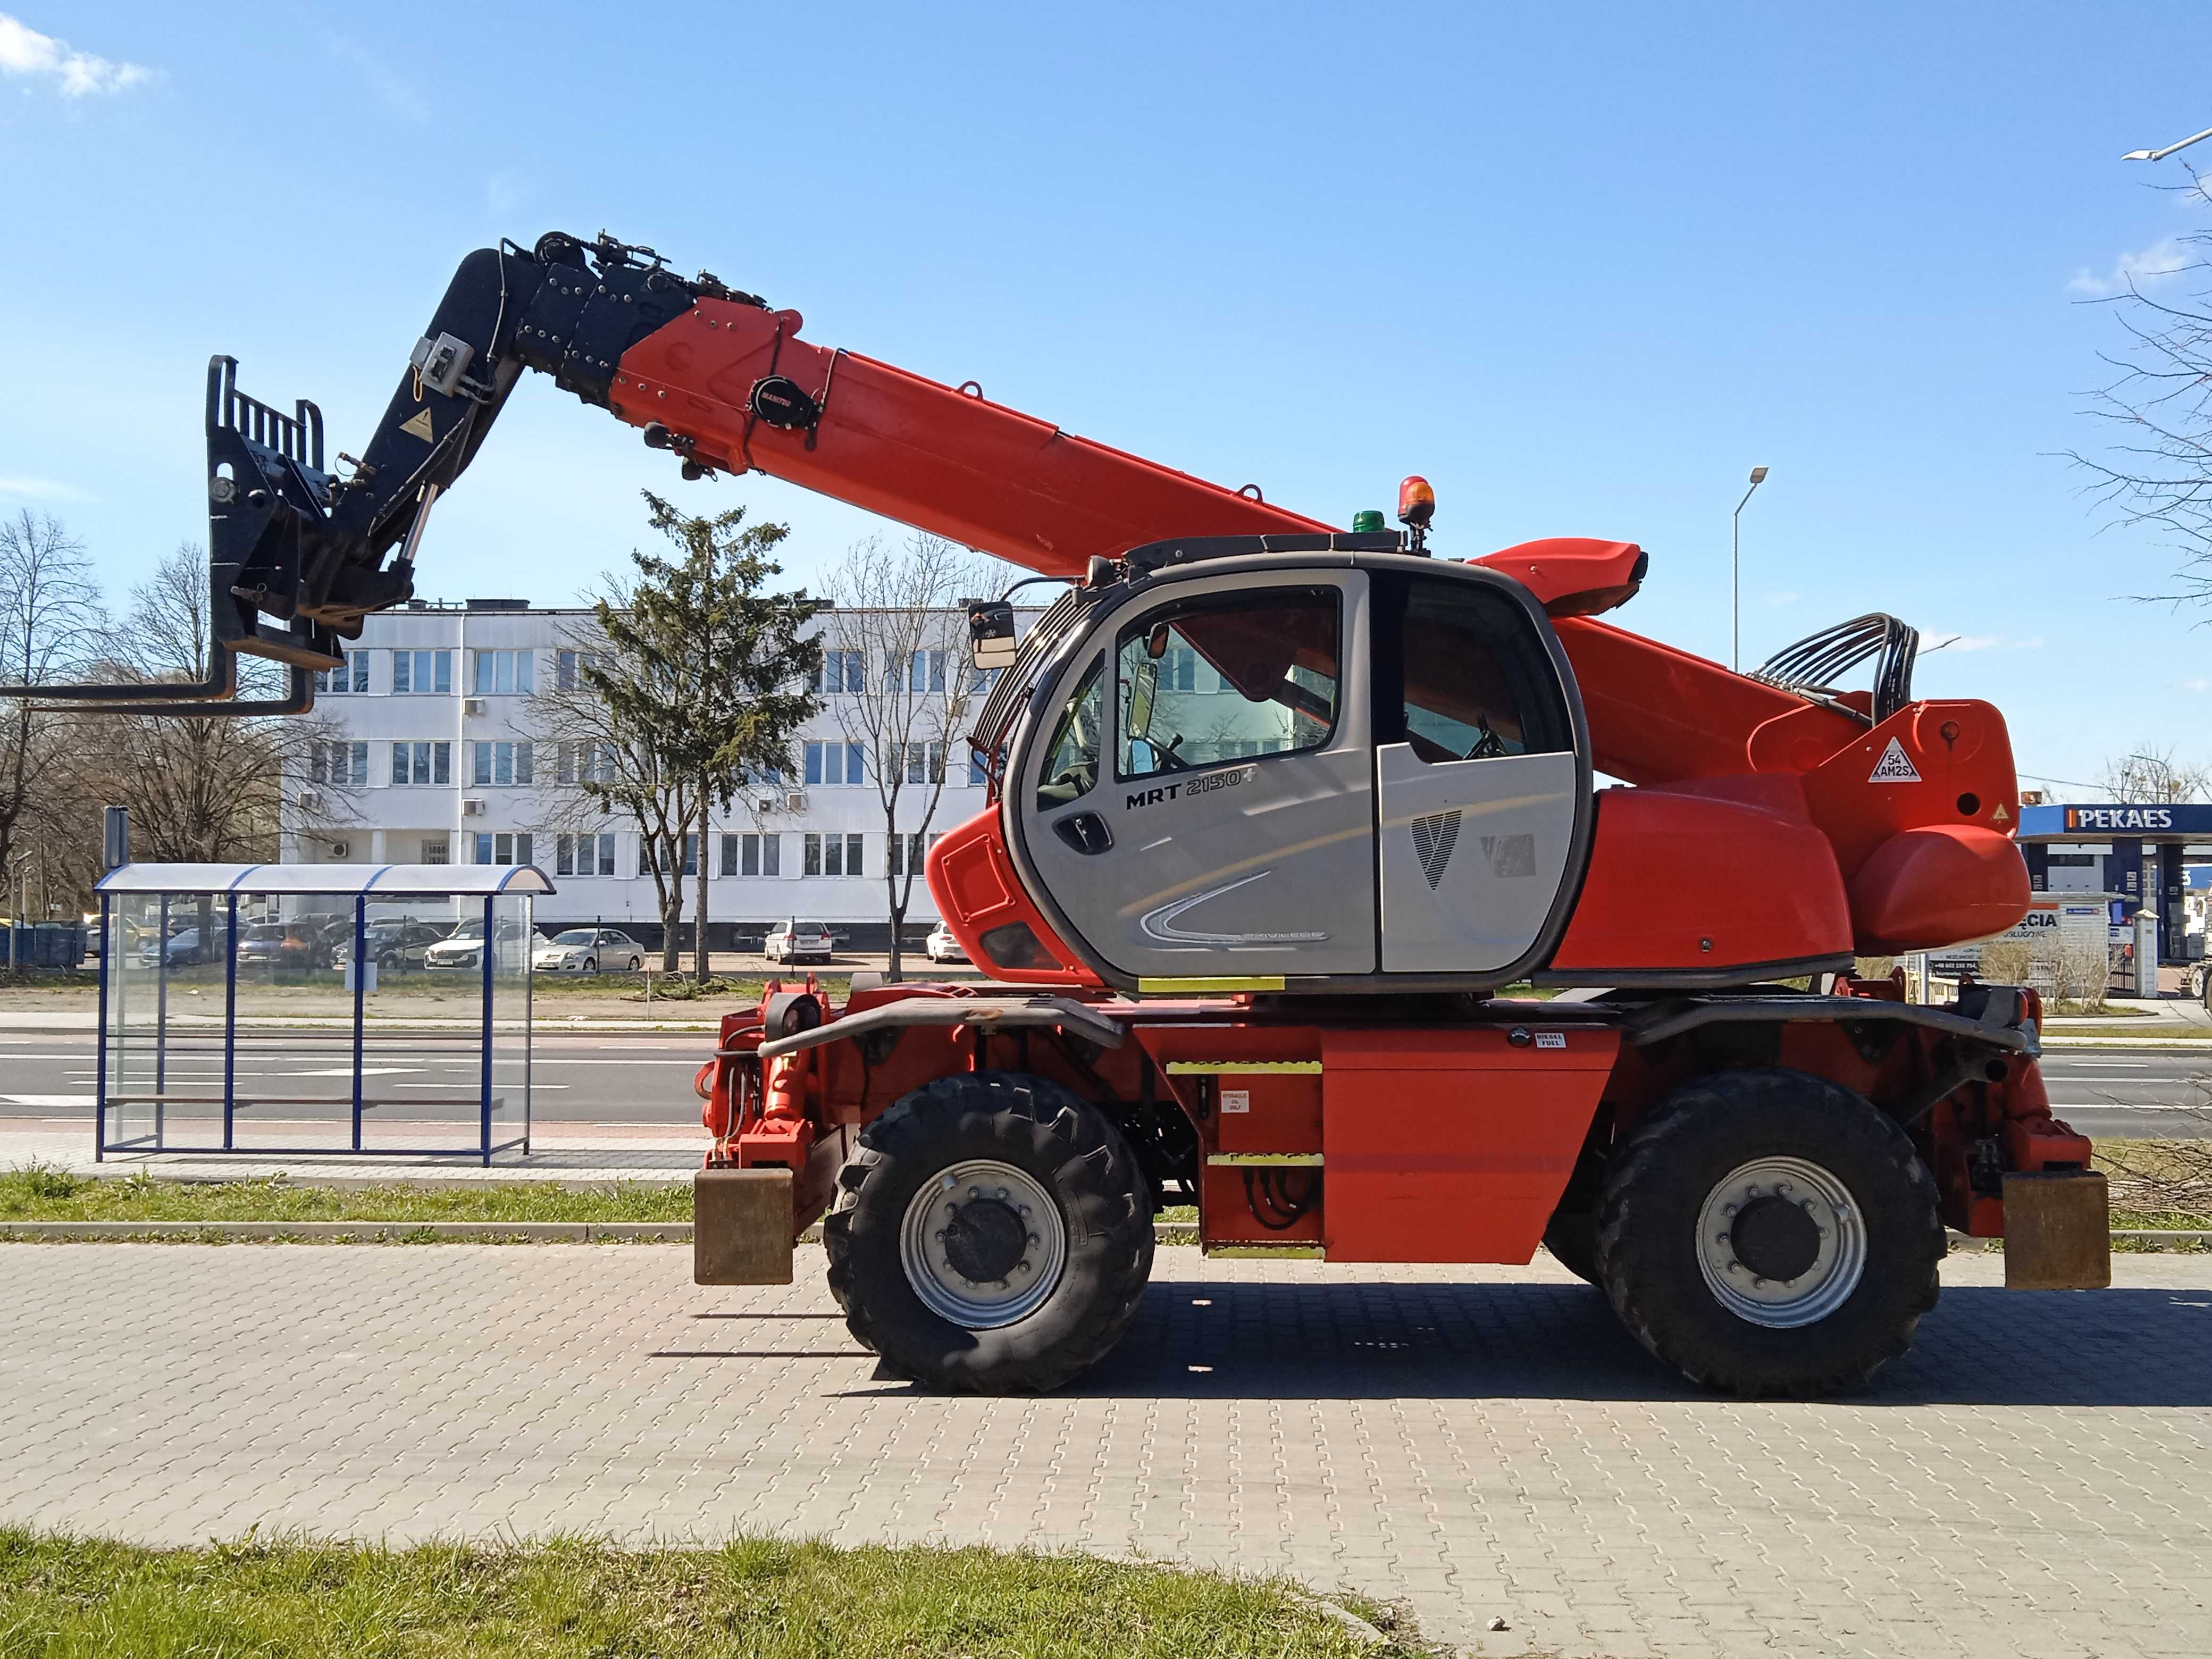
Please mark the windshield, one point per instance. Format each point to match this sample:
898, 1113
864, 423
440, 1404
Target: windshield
573, 936
473, 928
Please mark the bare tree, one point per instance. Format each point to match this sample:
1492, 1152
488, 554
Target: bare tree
2157, 473
905, 686
49, 610
2149, 776
202, 789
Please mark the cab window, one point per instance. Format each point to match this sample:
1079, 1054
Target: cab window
1214, 679
1475, 680
1071, 764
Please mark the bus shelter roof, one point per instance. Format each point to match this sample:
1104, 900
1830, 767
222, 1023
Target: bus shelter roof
337, 880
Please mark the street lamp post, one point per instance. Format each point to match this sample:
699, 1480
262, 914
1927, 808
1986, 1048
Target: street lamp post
1736, 566
2160, 155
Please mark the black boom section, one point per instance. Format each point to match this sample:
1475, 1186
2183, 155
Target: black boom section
298, 554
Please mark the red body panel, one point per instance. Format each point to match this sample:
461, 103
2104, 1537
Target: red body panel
972, 879
1688, 881
1452, 1146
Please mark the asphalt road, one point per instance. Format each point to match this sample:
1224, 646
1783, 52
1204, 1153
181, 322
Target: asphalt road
619, 1081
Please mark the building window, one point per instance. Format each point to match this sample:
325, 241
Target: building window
752, 856
924, 670
503, 671
422, 672
648, 854
836, 763
421, 762
568, 668
841, 670
918, 762
353, 677
502, 762
344, 764
979, 774
434, 849
902, 853
833, 855
502, 846
584, 855
583, 763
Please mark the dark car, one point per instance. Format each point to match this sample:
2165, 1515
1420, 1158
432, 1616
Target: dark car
285, 945
392, 945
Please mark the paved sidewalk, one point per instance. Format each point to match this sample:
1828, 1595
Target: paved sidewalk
2035, 1479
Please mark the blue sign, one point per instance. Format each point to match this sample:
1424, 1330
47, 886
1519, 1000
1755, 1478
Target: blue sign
2110, 820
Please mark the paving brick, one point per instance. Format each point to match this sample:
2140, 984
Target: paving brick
2035, 1479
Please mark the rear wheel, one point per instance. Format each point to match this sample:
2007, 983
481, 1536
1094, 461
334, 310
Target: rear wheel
1768, 1232
635, 963
992, 1235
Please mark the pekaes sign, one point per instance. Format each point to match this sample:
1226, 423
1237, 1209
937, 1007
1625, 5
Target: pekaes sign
2183, 821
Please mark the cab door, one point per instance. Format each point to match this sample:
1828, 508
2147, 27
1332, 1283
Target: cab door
1482, 777
1203, 805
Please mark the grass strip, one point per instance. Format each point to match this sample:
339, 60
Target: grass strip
760, 1598
42, 1193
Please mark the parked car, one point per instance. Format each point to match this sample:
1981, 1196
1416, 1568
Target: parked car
585, 950
943, 945
464, 947
393, 944
293, 944
183, 947
799, 941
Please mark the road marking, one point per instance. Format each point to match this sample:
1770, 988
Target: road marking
49, 1100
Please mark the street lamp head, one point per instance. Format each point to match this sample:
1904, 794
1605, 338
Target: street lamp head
1759, 475
2139, 156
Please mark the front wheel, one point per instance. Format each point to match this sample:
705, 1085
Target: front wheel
992, 1235
1769, 1232
636, 963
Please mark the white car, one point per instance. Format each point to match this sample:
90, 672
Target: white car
943, 944
587, 950
799, 941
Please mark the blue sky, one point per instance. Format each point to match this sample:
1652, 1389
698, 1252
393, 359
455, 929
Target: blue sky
1582, 266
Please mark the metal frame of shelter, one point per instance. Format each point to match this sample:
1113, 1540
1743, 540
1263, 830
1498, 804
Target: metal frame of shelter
363, 883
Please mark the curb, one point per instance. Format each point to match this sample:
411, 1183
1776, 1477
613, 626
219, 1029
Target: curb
679, 1233
663, 1232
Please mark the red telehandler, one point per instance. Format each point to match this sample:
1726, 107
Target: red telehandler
1279, 812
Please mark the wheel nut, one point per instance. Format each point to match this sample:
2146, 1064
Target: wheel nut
1023, 1267
1728, 1209
1735, 1266
1002, 1192
1034, 1239
975, 1191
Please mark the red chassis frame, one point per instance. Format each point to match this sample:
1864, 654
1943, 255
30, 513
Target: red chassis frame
1441, 1143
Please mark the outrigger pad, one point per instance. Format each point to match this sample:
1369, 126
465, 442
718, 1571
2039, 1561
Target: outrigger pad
2058, 1232
741, 1227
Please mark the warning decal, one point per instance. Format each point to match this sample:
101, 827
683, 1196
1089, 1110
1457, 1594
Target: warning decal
418, 426
1895, 766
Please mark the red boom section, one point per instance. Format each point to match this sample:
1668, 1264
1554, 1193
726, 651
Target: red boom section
943, 460
950, 462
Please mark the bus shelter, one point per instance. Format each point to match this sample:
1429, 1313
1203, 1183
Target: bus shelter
299, 1010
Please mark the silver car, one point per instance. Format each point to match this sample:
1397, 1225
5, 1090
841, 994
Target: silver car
799, 941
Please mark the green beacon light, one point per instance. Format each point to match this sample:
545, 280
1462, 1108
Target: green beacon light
1367, 521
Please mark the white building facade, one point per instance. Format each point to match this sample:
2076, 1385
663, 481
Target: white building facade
430, 757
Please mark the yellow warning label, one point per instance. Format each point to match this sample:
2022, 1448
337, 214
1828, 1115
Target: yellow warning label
418, 425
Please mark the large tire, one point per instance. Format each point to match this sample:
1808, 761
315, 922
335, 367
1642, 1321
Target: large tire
890, 1259
1571, 1237
1714, 1156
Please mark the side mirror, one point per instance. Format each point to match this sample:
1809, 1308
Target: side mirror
991, 643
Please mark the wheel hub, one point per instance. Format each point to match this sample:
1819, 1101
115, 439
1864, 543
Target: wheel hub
1775, 1238
983, 1243
1781, 1242
984, 1238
